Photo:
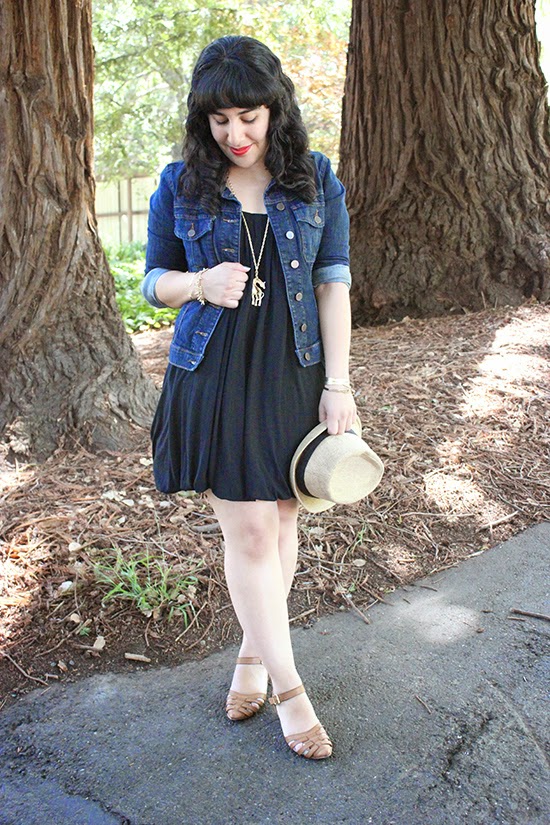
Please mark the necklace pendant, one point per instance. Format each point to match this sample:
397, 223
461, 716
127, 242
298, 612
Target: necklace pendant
258, 287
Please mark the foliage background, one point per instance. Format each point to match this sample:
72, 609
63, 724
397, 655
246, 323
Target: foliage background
126, 263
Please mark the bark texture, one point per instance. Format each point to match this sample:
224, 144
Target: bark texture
445, 153
67, 365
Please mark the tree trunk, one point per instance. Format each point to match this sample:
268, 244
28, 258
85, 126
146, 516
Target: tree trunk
445, 153
67, 366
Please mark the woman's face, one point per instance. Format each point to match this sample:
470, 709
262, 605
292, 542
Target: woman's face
241, 134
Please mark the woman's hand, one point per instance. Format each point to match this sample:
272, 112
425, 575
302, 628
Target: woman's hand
224, 284
338, 410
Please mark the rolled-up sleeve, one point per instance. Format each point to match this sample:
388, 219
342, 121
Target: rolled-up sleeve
332, 262
149, 284
165, 251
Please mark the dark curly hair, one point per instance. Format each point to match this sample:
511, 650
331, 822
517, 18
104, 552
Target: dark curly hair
238, 71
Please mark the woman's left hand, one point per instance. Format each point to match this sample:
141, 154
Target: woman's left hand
338, 410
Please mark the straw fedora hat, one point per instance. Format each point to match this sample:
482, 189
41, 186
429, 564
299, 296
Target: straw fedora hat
333, 469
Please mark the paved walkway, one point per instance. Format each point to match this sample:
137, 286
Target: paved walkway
154, 748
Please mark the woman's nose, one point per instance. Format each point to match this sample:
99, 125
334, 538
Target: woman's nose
235, 132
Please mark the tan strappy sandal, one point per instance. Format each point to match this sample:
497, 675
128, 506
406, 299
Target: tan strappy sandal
313, 743
240, 706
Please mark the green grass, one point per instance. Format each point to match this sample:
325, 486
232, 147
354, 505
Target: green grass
152, 586
127, 265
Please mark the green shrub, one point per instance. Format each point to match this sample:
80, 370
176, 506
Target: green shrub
127, 264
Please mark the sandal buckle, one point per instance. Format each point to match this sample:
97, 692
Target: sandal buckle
274, 700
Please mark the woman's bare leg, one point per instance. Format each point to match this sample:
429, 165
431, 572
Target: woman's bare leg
258, 591
247, 679
288, 553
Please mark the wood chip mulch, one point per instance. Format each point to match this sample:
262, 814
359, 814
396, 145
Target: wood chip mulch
457, 407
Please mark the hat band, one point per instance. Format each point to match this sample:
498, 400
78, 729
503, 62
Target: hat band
302, 463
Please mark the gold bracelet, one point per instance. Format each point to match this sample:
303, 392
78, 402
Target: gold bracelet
332, 388
193, 292
197, 286
337, 382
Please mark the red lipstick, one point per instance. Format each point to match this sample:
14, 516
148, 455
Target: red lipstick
242, 151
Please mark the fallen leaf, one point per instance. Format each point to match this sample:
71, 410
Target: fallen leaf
99, 643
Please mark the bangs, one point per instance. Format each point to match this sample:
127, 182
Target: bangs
233, 84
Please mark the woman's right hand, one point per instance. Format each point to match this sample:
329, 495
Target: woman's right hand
224, 284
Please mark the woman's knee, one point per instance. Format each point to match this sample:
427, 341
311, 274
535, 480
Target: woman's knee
250, 529
253, 539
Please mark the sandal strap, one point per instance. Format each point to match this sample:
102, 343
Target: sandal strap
249, 660
317, 734
312, 744
240, 706
246, 697
277, 698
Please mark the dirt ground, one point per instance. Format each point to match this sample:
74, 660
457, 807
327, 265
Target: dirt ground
457, 407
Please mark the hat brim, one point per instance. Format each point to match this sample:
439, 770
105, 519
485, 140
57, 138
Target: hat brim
312, 504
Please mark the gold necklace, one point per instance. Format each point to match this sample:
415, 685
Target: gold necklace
258, 286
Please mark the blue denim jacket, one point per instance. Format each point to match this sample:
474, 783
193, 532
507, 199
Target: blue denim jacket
312, 240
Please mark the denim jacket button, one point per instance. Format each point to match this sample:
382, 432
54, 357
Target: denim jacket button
280, 206
295, 264
307, 356
289, 234
298, 296
191, 233
303, 327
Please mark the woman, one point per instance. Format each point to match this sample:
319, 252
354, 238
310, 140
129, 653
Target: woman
249, 236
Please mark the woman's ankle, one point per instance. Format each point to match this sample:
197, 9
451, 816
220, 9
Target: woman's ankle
248, 653
285, 681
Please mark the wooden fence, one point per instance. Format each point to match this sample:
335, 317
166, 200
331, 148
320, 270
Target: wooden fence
122, 209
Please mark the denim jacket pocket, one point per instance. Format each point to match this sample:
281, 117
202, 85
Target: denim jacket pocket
194, 326
197, 236
311, 222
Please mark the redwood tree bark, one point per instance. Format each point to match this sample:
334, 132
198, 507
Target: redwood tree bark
445, 153
66, 362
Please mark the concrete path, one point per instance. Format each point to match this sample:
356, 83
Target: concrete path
154, 748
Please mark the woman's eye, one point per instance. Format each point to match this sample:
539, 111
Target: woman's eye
249, 121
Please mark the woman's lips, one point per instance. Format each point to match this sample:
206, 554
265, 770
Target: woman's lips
242, 151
